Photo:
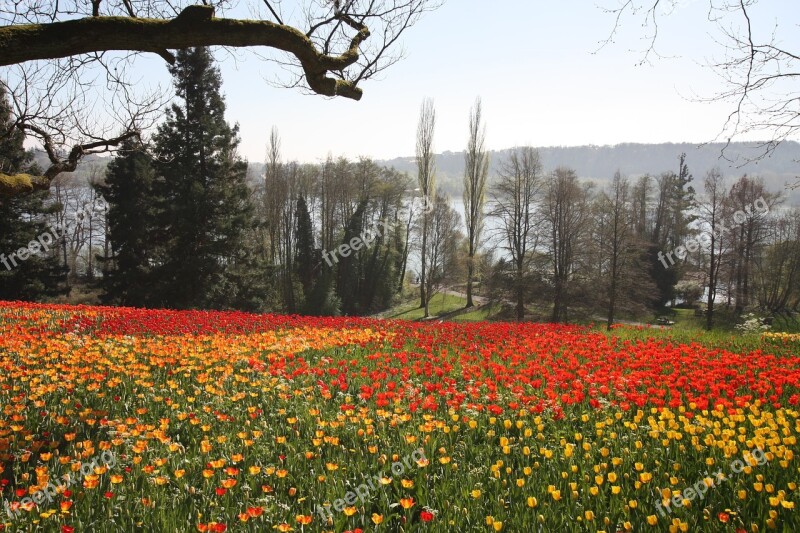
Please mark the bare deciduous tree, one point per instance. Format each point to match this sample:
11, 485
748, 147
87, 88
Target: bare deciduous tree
621, 280
275, 197
405, 225
713, 212
442, 246
777, 271
619, 239
566, 210
750, 234
476, 170
514, 199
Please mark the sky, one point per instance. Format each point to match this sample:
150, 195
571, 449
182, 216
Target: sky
538, 67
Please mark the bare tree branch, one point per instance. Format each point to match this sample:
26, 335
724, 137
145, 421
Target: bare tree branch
759, 73
274, 14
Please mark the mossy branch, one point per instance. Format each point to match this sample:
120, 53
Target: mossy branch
194, 26
20, 184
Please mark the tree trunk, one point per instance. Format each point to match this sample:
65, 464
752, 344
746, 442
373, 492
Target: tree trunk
556, 317
470, 271
612, 302
710, 312
90, 269
423, 278
712, 285
520, 290
402, 279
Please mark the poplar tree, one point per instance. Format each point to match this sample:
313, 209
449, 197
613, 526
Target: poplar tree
476, 170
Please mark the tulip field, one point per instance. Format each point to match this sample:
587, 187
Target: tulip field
218, 421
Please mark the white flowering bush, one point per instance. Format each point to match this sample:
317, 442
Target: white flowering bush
752, 324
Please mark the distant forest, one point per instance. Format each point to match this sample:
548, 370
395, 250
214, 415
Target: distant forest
594, 163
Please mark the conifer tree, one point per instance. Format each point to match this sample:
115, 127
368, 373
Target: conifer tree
132, 232
307, 260
35, 273
349, 273
202, 194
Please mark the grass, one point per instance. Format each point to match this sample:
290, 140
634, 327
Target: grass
717, 339
440, 304
733, 341
685, 319
725, 320
478, 315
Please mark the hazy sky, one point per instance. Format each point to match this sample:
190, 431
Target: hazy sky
537, 68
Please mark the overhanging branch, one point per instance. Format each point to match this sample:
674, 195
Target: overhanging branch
194, 26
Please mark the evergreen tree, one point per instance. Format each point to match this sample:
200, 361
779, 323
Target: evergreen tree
349, 273
382, 276
323, 300
665, 279
673, 225
379, 264
307, 260
34, 273
685, 203
203, 198
132, 235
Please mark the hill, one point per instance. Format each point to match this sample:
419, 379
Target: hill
599, 163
